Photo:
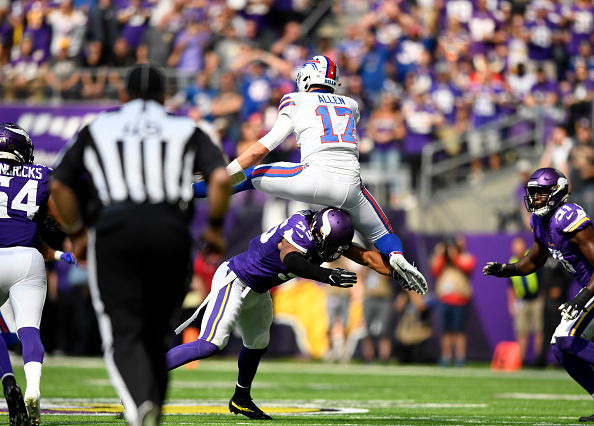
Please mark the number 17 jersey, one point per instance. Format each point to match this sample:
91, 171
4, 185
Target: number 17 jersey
325, 127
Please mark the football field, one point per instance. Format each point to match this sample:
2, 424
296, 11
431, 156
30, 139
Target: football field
76, 391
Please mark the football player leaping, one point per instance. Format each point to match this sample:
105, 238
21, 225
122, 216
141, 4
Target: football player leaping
24, 195
565, 231
239, 293
329, 171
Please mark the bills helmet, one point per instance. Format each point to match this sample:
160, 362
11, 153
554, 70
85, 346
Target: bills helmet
15, 144
550, 181
320, 70
333, 233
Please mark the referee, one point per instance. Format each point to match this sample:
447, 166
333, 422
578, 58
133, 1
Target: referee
127, 177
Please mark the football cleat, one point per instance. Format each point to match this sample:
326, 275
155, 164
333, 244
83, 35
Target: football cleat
587, 419
34, 411
16, 405
409, 277
247, 408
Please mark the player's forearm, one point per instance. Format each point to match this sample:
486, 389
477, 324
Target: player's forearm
252, 155
372, 259
219, 191
522, 267
68, 207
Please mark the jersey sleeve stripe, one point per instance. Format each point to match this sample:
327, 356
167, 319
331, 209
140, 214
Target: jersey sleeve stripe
574, 227
285, 98
581, 215
288, 235
286, 104
271, 171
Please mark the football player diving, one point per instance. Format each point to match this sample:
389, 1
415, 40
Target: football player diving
325, 125
563, 230
240, 290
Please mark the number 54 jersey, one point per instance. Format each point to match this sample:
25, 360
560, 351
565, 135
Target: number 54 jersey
24, 191
325, 127
568, 219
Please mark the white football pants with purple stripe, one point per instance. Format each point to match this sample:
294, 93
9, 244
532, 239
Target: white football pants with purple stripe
313, 185
23, 280
231, 302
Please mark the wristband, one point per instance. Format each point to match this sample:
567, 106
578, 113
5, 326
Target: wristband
236, 172
57, 255
511, 269
583, 296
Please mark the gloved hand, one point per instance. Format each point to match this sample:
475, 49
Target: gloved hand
69, 258
498, 270
342, 278
572, 308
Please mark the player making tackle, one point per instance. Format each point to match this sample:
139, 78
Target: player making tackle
240, 290
563, 230
329, 171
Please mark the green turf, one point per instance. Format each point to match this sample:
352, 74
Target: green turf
380, 395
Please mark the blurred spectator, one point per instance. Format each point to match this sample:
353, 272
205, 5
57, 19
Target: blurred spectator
370, 63
122, 57
557, 148
338, 303
94, 75
227, 103
451, 265
287, 45
486, 98
517, 218
64, 77
584, 57
188, 47
581, 166
378, 311
104, 28
166, 21
386, 130
581, 24
543, 32
133, 20
25, 76
68, 29
414, 327
408, 53
554, 282
421, 119
577, 96
36, 25
525, 304
485, 30
454, 41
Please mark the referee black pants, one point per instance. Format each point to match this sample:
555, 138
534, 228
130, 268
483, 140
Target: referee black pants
139, 270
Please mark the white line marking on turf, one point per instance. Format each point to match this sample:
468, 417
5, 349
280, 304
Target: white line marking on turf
542, 396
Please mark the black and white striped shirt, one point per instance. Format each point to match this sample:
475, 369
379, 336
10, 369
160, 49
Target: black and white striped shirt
138, 154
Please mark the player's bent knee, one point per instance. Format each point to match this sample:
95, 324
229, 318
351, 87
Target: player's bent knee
259, 342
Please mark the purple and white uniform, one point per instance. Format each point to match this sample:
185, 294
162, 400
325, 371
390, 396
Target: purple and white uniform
24, 192
567, 219
239, 293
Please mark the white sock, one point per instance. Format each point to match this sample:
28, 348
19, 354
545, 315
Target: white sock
33, 375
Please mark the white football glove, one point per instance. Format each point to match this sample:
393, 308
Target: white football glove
410, 277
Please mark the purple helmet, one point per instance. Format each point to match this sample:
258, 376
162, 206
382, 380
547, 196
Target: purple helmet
553, 183
15, 144
333, 233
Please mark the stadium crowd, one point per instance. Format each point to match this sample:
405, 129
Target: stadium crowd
420, 70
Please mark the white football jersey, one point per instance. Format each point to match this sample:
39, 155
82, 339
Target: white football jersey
325, 127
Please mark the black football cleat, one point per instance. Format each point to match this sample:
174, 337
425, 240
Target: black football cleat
247, 408
587, 419
17, 411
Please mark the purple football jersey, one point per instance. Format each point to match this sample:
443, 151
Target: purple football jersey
568, 218
260, 266
24, 191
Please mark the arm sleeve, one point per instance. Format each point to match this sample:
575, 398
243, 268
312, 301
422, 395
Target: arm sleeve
281, 129
209, 156
298, 265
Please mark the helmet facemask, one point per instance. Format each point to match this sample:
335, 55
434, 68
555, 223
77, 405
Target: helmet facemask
555, 196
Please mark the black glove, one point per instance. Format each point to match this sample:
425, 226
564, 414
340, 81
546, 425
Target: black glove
342, 278
572, 308
499, 270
